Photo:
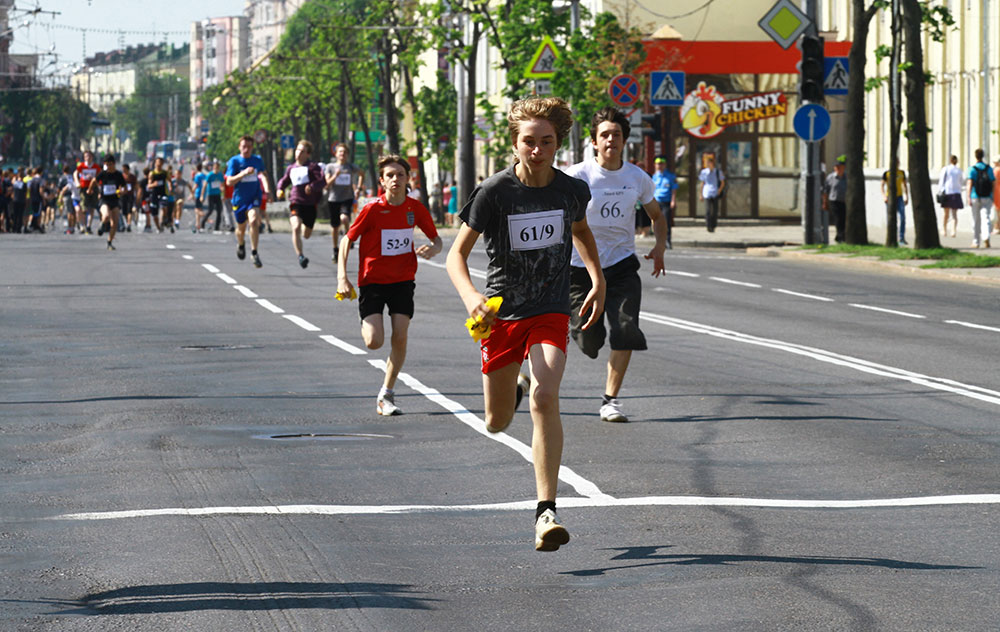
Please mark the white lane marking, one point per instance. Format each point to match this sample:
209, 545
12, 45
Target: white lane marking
479, 274
171, 247
225, 277
302, 322
683, 274
937, 383
188, 257
972, 325
210, 268
245, 291
886, 311
801, 295
349, 348
732, 282
568, 476
571, 501
269, 306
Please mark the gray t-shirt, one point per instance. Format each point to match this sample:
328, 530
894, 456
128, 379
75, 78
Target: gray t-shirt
528, 233
343, 187
836, 187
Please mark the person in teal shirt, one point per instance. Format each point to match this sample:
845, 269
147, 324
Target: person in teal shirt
665, 185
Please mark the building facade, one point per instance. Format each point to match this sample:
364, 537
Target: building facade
219, 46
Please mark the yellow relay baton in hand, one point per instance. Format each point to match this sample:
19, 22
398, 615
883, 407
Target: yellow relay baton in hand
342, 295
477, 329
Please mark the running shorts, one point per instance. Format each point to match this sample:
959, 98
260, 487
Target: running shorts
305, 212
621, 307
373, 297
240, 212
90, 200
343, 207
511, 340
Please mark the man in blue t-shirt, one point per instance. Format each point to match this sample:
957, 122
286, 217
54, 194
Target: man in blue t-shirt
199, 206
665, 187
245, 173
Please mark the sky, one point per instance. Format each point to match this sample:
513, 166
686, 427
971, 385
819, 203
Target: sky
103, 19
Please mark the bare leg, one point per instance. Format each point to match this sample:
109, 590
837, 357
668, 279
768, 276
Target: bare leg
373, 331
617, 365
499, 393
547, 366
397, 352
254, 228
296, 224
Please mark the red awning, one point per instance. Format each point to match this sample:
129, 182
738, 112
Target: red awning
726, 58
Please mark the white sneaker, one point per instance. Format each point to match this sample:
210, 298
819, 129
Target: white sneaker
612, 411
386, 407
549, 534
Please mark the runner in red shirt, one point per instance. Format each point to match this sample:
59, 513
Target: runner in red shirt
388, 267
86, 171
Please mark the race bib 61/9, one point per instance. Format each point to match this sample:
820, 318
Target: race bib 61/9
532, 231
611, 207
397, 241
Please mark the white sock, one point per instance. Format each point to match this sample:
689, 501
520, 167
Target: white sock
385, 391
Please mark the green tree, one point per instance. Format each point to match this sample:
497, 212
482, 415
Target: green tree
57, 120
144, 113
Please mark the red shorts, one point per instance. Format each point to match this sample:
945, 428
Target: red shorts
511, 339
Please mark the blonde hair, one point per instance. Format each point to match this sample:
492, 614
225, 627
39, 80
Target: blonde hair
552, 109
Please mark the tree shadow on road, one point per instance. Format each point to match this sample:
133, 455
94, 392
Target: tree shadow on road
165, 598
646, 556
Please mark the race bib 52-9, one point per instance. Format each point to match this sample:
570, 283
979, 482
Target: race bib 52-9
611, 207
397, 241
532, 231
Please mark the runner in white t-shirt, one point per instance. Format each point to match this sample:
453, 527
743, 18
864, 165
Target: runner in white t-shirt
615, 187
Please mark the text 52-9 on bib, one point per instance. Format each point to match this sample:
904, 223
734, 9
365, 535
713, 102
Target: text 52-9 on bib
397, 241
532, 231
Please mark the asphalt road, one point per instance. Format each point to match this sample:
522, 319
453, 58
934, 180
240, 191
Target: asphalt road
811, 448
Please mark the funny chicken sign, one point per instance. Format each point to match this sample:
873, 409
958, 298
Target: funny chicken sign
706, 113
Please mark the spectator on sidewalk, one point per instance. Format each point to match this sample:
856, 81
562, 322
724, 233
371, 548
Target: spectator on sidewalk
950, 193
713, 188
980, 193
665, 183
902, 198
835, 197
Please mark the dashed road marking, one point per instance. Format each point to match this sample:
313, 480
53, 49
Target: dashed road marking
732, 282
886, 311
225, 277
972, 325
269, 306
340, 344
245, 291
210, 268
801, 295
302, 322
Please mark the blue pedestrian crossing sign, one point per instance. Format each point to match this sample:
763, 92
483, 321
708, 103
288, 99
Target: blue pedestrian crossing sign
835, 73
811, 122
666, 88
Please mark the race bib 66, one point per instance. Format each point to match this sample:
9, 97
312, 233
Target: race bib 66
532, 231
397, 241
611, 207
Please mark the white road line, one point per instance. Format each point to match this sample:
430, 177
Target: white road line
732, 282
210, 268
568, 476
302, 322
886, 311
564, 501
479, 274
683, 274
245, 291
801, 295
225, 277
349, 348
937, 383
269, 306
188, 257
171, 247
972, 325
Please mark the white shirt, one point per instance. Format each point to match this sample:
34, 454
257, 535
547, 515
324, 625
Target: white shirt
611, 210
951, 180
712, 181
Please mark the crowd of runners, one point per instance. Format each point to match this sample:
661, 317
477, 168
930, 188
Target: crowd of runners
561, 252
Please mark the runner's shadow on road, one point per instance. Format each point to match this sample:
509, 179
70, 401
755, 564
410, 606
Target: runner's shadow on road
647, 556
166, 598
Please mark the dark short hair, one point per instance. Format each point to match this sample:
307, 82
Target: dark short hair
609, 114
248, 138
389, 159
109, 158
979, 154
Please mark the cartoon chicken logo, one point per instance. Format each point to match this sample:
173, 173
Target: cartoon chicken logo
700, 110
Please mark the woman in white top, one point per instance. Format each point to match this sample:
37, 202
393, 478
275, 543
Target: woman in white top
950, 188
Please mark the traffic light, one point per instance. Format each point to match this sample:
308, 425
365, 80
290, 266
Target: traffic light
651, 125
811, 69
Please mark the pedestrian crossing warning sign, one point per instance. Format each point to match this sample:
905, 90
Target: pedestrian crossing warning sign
543, 62
835, 72
667, 88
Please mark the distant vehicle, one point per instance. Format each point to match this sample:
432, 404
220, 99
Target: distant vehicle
177, 151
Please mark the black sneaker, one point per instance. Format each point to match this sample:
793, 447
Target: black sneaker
241, 252
171, 230
256, 261
110, 246
523, 386
269, 228
303, 261
128, 228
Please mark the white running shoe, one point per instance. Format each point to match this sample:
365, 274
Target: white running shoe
612, 411
386, 407
549, 534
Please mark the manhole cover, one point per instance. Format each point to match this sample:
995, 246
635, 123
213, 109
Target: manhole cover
217, 347
324, 436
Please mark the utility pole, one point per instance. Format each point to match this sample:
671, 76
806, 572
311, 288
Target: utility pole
895, 125
985, 77
574, 133
812, 222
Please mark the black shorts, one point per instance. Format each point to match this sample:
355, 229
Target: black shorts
90, 201
372, 298
621, 307
198, 204
343, 207
305, 212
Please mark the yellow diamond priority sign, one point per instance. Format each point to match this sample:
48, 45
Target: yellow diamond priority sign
785, 22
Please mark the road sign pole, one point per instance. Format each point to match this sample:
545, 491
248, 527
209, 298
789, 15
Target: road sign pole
812, 223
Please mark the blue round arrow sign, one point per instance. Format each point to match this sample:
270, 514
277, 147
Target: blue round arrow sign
811, 122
